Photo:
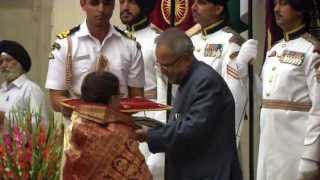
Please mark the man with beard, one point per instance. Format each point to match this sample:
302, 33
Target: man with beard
218, 46
199, 138
94, 45
290, 114
135, 15
18, 92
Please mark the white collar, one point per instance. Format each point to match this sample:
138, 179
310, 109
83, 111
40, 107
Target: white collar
17, 82
84, 31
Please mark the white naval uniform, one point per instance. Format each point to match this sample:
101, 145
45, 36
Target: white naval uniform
124, 59
22, 93
123, 55
289, 135
218, 47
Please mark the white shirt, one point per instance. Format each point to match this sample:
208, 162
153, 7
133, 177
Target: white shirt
123, 54
21, 93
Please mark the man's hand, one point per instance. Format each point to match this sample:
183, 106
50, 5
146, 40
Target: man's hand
248, 52
56, 97
308, 170
135, 92
142, 134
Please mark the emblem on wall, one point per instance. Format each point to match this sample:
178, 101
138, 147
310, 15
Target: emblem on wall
181, 11
161, 16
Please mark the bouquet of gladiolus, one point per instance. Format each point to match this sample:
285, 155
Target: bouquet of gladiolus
30, 148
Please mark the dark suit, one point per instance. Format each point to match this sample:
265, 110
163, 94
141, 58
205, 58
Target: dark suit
199, 139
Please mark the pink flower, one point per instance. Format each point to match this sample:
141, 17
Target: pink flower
18, 137
8, 142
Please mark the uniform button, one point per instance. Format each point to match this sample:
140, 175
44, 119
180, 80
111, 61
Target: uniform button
268, 94
270, 81
198, 49
274, 68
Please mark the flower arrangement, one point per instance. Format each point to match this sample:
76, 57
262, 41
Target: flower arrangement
30, 148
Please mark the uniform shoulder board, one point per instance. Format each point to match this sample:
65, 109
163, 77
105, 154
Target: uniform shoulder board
194, 30
55, 45
124, 33
236, 38
128, 36
313, 40
67, 33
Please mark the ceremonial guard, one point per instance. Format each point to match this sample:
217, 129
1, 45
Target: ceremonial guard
135, 15
290, 115
94, 45
218, 46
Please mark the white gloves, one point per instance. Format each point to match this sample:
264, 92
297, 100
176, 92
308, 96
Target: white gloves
248, 52
308, 170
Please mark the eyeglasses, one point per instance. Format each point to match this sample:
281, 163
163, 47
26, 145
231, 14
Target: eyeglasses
167, 66
104, 2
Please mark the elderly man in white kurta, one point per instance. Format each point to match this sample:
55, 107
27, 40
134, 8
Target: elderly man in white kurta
290, 115
18, 92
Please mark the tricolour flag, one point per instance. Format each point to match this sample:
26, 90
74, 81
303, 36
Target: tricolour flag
234, 15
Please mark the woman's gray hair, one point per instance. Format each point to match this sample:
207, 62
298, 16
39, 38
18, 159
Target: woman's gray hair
177, 41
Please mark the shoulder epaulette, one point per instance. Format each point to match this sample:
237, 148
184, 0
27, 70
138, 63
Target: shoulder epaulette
124, 33
196, 29
128, 36
313, 40
67, 33
236, 38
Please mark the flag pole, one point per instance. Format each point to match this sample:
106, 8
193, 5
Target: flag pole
169, 87
251, 100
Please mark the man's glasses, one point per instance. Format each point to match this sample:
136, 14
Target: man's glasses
167, 66
104, 2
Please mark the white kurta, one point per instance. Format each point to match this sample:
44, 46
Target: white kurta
288, 135
22, 93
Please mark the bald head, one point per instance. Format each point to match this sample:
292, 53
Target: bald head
177, 41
